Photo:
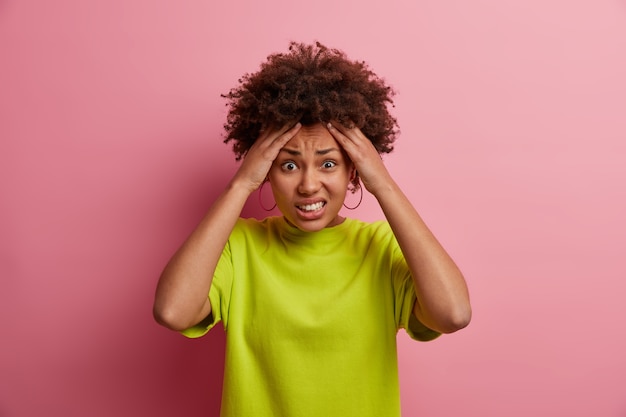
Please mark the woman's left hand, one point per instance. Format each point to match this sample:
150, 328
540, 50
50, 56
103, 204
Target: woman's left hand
364, 155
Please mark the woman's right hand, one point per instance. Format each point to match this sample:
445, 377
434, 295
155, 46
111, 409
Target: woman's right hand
181, 297
261, 155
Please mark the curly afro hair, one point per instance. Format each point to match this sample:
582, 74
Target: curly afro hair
310, 84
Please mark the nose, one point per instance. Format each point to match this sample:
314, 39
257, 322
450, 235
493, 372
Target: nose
309, 182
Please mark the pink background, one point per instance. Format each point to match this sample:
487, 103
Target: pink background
513, 147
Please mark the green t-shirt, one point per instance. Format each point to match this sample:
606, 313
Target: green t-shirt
311, 319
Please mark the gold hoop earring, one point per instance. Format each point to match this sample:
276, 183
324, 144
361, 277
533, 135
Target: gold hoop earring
360, 199
261, 200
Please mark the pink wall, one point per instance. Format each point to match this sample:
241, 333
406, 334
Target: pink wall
513, 147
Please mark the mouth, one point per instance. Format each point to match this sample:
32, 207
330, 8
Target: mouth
311, 208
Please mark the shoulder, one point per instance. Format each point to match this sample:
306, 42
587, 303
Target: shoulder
378, 228
251, 223
251, 228
377, 233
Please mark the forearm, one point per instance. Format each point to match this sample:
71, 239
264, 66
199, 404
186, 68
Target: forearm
181, 296
442, 296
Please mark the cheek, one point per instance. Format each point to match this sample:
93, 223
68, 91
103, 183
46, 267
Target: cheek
344, 178
337, 188
280, 186
274, 175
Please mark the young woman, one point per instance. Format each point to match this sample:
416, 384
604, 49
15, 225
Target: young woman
311, 301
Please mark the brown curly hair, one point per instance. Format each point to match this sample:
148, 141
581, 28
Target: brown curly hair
310, 84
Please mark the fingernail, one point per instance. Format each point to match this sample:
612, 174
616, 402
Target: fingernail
329, 125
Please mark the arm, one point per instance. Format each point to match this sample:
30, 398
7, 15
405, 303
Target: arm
442, 296
181, 296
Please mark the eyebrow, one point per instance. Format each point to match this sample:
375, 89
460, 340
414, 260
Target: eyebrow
317, 152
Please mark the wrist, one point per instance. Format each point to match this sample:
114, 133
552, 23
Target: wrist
381, 188
241, 187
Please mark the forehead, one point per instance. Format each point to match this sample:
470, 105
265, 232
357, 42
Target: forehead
314, 137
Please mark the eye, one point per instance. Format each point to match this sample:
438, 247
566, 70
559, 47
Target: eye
289, 166
329, 164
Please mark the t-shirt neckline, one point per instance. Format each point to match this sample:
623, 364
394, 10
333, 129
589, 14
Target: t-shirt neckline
328, 233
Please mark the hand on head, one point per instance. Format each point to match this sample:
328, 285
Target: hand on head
359, 149
259, 158
363, 154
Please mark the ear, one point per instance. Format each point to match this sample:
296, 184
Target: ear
353, 173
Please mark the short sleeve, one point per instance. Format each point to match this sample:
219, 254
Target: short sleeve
405, 298
219, 296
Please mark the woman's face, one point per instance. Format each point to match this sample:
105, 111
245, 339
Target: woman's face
310, 178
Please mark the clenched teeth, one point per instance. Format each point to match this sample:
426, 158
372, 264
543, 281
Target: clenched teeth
312, 207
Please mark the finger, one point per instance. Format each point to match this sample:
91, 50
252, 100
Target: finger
284, 135
275, 142
266, 131
343, 136
354, 133
358, 147
270, 134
